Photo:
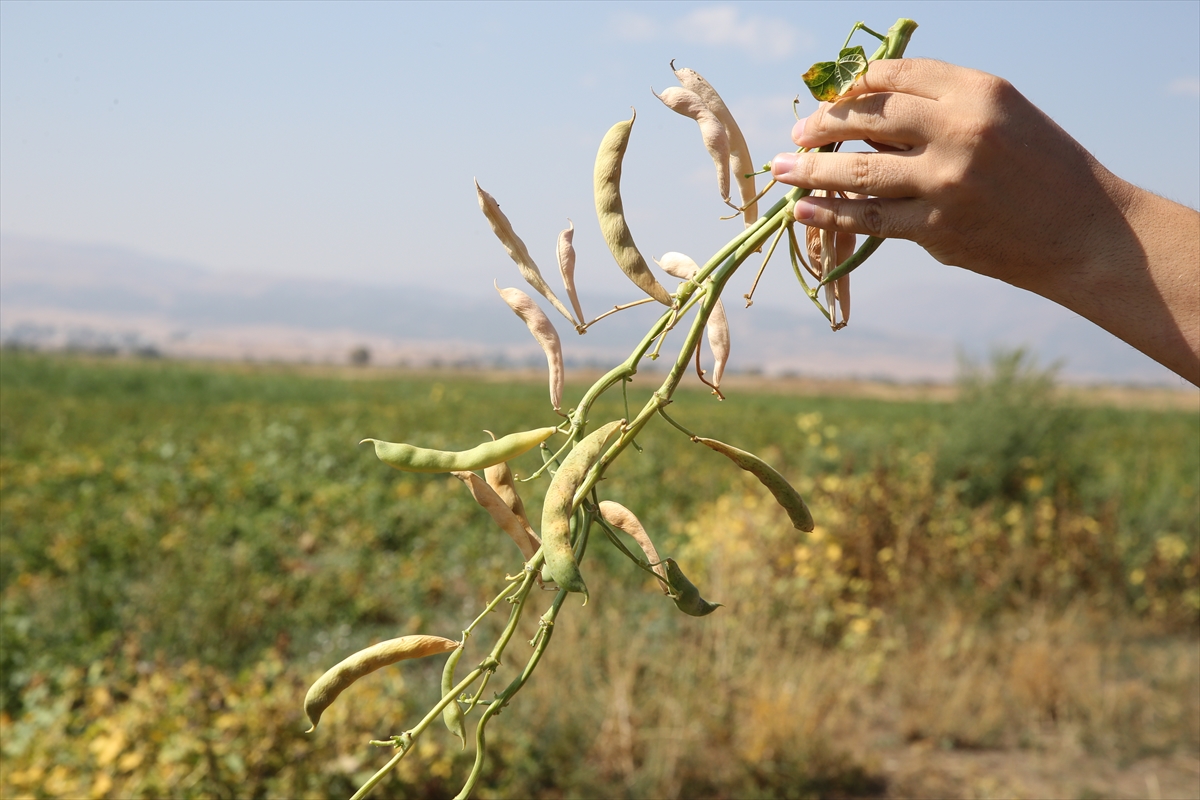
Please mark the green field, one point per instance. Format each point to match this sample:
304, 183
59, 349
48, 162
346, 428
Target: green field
186, 547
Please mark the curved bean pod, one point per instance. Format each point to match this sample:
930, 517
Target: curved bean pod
717, 328
561, 566
517, 250
826, 259
566, 266
408, 458
500, 478
452, 715
716, 139
717, 331
336, 680
739, 152
685, 594
606, 180
776, 484
547, 337
622, 518
500, 513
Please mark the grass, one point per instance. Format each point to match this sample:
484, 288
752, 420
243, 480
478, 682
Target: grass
186, 547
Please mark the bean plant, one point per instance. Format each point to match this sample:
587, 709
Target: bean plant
579, 450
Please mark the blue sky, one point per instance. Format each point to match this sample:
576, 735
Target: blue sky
340, 140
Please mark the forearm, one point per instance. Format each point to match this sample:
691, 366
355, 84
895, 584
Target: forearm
1141, 278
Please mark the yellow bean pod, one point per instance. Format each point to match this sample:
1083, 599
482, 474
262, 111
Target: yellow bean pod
561, 566
776, 484
335, 681
611, 211
407, 458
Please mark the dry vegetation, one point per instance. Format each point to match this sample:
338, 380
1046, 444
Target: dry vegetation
1000, 599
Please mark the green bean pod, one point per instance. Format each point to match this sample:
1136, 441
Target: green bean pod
561, 566
452, 715
776, 484
611, 211
419, 459
336, 680
685, 594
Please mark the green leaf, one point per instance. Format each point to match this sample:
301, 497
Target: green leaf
829, 80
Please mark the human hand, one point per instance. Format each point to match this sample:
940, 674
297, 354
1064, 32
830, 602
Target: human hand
977, 175
968, 168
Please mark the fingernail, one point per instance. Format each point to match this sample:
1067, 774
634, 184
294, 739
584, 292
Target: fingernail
798, 130
804, 210
782, 164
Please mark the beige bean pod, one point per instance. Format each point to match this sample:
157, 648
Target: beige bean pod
566, 266
610, 211
740, 163
500, 513
517, 250
545, 334
336, 680
680, 266
624, 520
716, 139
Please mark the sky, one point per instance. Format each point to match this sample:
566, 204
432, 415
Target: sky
340, 140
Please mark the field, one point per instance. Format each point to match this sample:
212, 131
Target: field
1001, 597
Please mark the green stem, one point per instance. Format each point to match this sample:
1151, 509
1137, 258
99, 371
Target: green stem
896, 41
852, 263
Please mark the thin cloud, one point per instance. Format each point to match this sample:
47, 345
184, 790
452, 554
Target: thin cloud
720, 26
1187, 87
635, 27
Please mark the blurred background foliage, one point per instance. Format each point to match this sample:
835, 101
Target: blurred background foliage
186, 547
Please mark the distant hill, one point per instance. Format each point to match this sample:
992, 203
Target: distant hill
56, 294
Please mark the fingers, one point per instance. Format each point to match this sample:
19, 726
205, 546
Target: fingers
921, 77
888, 219
876, 174
898, 120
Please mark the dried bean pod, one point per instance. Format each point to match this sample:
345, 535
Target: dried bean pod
500, 478
828, 258
623, 519
685, 594
716, 139
566, 265
776, 484
407, 458
518, 251
717, 329
559, 505
322, 693
611, 212
543, 330
452, 714
500, 513
677, 265
740, 163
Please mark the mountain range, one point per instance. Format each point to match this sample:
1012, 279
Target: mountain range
57, 294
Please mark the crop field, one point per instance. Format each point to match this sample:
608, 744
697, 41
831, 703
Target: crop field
1001, 597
